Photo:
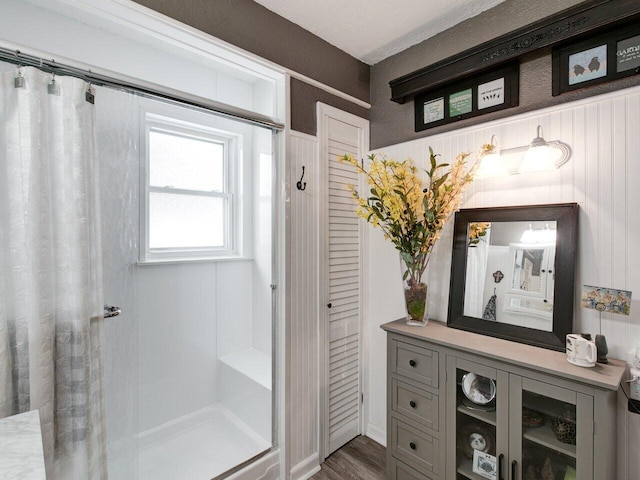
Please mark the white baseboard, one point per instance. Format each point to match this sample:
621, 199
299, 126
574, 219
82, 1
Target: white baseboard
306, 468
376, 434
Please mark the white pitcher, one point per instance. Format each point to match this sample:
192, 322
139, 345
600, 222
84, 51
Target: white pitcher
580, 351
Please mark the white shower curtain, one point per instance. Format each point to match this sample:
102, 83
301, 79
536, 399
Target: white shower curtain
50, 271
474, 291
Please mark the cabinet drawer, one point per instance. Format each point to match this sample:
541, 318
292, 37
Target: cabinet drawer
400, 471
415, 446
415, 403
414, 362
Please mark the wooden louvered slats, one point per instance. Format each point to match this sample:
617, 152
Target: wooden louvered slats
344, 281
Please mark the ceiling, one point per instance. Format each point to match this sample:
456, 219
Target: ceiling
372, 30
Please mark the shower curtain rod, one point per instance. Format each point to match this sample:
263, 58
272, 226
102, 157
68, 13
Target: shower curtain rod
166, 94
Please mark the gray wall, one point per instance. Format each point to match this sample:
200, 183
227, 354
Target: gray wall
393, 123
252, 27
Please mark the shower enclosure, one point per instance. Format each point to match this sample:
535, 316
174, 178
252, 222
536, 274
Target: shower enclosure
188, 363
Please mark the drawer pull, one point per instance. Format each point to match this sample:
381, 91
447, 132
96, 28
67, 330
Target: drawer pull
412, 404
412, 363
412, 446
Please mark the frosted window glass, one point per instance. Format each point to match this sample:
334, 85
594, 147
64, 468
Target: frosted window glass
186, 163
185, 221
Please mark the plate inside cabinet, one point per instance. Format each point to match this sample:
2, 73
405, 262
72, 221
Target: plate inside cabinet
480, 390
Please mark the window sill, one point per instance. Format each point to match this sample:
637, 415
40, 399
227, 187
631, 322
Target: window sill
232, 258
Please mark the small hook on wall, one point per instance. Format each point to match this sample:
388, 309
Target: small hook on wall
300, 185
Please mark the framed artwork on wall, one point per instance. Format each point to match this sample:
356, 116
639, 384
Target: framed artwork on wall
597, 59
483, 93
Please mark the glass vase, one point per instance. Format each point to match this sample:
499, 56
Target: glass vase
415, 298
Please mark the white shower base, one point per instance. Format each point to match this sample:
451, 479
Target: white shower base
199, 446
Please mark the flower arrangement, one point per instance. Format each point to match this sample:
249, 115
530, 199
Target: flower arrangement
477, 230
411, 213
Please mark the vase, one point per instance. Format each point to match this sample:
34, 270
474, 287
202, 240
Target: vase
415, 298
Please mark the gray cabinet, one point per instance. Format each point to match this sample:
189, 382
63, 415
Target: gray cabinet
416, 413
545, 418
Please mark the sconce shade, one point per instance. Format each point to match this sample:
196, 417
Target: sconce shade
538, 156
545, 235
492, 165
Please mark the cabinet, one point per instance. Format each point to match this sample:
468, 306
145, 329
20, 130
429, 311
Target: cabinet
545, 419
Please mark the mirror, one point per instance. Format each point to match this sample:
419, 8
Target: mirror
512, 272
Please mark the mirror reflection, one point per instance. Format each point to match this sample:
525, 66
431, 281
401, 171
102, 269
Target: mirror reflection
510, 273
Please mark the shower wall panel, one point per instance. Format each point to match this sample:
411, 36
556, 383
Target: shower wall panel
176, 341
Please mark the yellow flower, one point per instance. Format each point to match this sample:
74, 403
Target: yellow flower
411, 211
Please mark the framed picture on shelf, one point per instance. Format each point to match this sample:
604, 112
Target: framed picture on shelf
484, 93
601, 58
484, 465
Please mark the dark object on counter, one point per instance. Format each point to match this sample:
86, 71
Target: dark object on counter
601, 347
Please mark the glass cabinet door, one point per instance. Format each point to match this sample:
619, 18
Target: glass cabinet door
551, 431
480, 440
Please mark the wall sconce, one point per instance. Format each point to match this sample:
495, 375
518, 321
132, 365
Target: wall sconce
543, 155
540, 155
538, 235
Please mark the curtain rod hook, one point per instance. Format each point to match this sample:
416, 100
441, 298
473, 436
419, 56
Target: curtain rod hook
18, 81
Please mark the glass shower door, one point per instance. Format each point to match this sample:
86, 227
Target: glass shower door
188, 364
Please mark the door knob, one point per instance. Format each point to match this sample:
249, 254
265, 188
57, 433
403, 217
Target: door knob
329, 305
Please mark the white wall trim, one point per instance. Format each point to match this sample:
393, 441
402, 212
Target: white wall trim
328, 89
124, 15
302, 296
306, 469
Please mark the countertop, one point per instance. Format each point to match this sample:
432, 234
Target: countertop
606, 376
21, 454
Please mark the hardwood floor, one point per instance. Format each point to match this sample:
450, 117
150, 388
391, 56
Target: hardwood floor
360, 459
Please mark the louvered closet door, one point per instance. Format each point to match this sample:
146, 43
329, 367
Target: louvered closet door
344, 289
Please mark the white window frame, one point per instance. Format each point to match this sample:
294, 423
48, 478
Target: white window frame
155, 116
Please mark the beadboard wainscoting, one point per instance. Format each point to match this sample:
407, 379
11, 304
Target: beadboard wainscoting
602, 176
303, 328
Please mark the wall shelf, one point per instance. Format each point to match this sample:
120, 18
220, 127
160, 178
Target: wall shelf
572, 22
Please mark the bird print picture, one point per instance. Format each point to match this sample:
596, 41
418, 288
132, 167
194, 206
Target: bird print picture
587, 65
491, 93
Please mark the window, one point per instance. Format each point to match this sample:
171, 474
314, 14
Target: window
190, 204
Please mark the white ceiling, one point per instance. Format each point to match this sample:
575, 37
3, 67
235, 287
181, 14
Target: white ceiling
372, 30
